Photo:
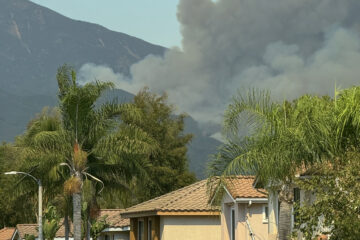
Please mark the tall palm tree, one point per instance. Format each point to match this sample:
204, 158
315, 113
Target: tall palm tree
101, 150
286, 137
87, 142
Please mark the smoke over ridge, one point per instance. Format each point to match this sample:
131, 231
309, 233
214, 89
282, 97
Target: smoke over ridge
290, 47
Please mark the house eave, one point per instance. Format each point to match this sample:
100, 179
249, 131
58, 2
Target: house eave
253, 200
116, 229
214, 212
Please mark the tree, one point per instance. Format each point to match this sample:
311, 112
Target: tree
85, 143
51, 222
168, 166
16, 205
285, 138
336, 208
100, 149
39, 158
97, 226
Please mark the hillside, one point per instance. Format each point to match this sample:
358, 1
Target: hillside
35, 41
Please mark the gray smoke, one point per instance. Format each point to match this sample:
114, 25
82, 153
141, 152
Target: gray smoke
290, 47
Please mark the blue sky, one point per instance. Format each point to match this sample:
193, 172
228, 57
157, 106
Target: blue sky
151, 20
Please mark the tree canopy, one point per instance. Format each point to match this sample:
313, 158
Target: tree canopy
95, 154
285, 138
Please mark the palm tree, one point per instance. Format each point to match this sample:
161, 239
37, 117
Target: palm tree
42, 148
85, 142
286, 137
101, 150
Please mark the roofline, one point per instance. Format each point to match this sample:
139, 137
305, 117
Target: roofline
14, 234
37, 232
111, 209
215, 212
227, 191
245, 199
255, 182
254, 200
116, 229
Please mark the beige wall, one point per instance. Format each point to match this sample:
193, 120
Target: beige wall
190, 228
254, 214
116, 235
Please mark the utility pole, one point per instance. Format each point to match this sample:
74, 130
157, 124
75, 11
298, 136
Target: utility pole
38, 181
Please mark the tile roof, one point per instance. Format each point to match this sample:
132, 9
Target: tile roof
6, 233
31, 229
113, 217
242, 187
193, 198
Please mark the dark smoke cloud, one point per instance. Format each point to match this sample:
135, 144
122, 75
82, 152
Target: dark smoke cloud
290, 47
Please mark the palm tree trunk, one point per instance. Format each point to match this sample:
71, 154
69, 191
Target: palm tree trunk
285, 212
285, 220
66, 225
77, 215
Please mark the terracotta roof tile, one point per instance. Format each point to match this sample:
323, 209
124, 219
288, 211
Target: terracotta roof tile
193, 198
114, 218
6, 233
31, 229
242, 187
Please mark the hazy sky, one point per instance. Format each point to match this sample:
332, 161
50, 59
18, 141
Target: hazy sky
289, 47
151, 20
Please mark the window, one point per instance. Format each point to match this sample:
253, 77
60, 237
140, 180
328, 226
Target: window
107, 237
149, 230
265, 213
232, 224
140, 230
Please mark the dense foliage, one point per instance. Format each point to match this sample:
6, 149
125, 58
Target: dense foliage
90, 155
335, 205
284, 138
169, 164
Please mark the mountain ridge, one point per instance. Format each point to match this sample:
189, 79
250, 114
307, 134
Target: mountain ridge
35, 41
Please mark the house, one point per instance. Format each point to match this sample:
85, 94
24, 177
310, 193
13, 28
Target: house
187, 214
178, 215
32, 229
6, 233
118, 227
244, 210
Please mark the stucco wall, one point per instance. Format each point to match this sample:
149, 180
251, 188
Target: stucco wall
255, 218
253, 213
190, 228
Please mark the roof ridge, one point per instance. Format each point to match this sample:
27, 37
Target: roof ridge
166, 195
112, 209
199, 183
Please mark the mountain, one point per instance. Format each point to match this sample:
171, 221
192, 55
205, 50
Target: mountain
35, 41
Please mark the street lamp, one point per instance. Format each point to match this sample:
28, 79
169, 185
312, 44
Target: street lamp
38, 181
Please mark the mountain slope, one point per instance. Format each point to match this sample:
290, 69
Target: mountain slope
35, 41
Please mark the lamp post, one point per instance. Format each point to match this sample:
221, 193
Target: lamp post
38, 181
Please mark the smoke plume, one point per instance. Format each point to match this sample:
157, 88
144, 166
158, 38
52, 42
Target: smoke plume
290, 47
